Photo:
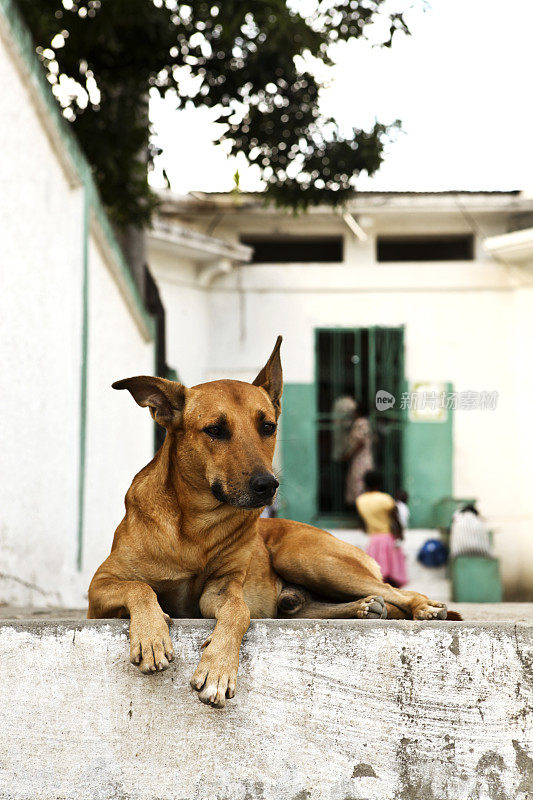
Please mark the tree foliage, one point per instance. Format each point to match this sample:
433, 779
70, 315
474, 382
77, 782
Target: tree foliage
245, 59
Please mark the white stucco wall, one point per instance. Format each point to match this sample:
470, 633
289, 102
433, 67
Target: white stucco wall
41, 239
450, 335
42, 243
518, 558
120, 434
186, 306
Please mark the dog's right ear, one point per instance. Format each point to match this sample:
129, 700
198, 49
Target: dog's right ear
165, 399
271, 377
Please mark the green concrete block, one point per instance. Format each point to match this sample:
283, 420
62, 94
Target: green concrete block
476, 579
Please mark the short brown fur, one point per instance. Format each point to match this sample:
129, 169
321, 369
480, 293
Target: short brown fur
192, 544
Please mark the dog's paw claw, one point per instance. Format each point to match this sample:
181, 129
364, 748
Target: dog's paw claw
432, 610
198, 679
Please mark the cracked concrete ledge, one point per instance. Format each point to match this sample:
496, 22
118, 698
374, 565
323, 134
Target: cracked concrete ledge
325, 710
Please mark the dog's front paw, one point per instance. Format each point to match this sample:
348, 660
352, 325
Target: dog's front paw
150, 644
372, 607
215, 677
433, 609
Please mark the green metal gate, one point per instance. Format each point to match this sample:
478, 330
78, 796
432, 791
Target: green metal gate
386, 373
358, 363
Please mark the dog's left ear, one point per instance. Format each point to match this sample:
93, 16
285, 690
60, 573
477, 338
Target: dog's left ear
271, 377
164, 398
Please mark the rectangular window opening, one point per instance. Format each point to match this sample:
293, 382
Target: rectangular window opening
425, 248
297, 250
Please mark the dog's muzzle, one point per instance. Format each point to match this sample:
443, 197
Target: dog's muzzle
260, 492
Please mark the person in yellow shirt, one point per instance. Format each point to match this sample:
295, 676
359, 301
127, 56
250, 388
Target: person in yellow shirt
378, 511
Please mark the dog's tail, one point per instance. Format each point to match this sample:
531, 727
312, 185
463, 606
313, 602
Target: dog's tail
454, 615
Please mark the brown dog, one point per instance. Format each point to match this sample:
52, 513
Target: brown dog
192, 545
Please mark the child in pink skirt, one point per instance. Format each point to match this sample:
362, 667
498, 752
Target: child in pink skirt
379, 514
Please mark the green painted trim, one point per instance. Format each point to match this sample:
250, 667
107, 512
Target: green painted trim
83, 380
428, 466
444, 509
23, 40
298, 452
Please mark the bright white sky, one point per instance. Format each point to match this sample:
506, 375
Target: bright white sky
461, 84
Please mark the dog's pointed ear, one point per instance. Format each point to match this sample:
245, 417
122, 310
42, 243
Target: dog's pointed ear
165, 399
271, 377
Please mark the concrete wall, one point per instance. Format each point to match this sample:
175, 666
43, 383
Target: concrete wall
324, 711
46, 240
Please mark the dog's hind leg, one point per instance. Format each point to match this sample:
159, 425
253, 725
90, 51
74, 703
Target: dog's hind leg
333, 569
297, 603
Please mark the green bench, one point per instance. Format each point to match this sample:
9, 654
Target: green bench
475, 579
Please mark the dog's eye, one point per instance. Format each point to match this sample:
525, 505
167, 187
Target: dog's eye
268, 428
216, 432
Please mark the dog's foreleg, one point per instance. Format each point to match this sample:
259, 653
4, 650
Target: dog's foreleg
150, 644
216, 675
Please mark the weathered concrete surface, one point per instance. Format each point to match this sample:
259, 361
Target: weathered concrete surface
497, 612
329, 710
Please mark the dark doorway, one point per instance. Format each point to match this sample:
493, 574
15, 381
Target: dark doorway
358, 363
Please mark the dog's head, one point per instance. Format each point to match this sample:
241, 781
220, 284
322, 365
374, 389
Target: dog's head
223, 432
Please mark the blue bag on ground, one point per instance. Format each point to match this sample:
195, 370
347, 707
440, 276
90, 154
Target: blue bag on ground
432, 553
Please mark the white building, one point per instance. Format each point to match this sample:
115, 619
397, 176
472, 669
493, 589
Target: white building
453, 316
422, 292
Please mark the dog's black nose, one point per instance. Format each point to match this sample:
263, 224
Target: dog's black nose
264, 486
